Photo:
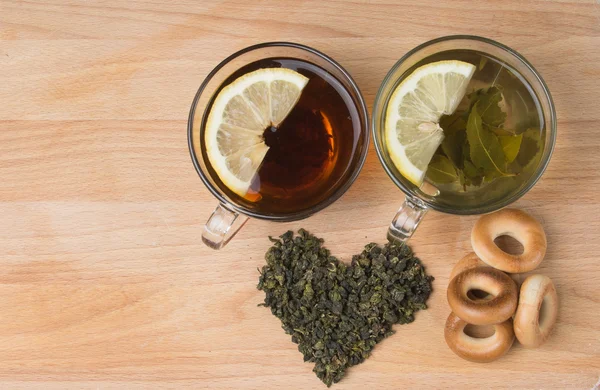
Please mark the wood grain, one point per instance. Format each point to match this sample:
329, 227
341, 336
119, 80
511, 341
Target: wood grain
105, 282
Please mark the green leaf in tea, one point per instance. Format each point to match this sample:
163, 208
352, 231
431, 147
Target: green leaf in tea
482, 62
481, 141
523, 113
452, 147
454, 137
462, 179
466, 150
488, 101
511, 146
488, 107
452, 124
472, 175
490, 176
337, 313
441, 170
502, 132
529, 151
484, 148
471, 170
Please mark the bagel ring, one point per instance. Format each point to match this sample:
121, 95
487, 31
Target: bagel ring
498, 307
516, 224
476, 349
537, 311
469, 261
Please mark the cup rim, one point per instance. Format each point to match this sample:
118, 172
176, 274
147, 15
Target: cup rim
550, 132
361, 105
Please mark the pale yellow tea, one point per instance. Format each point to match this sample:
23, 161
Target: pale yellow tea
470, 128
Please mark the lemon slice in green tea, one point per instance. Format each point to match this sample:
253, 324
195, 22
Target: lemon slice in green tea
412, 132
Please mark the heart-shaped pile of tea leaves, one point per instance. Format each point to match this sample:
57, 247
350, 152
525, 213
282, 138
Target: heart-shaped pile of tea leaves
336, 313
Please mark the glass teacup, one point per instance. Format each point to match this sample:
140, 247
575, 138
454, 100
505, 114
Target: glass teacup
314, 155
496, 194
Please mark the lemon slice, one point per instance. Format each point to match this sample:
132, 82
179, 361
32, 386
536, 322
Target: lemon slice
412, 132
240, 114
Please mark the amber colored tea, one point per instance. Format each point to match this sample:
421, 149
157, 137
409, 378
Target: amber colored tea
310, 151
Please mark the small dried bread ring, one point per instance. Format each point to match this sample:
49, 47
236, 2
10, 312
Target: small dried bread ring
516, 224
469, 261
498, 307
476, 349
472, 261
537, 311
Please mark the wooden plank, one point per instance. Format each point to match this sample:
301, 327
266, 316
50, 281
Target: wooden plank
105, 282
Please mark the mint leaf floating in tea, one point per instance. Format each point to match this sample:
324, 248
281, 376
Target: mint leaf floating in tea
485, 148
454, 137
472, 175
337, 313
485, 139
487, 101
453, 123
511, 146
529, 152
441, 170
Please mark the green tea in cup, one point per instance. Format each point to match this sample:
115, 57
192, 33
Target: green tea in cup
463, 125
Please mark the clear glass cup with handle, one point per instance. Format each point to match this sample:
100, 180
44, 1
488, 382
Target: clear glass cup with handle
488, 198
232, 212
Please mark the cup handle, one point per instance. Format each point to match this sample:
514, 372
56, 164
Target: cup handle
222, 225
407, 220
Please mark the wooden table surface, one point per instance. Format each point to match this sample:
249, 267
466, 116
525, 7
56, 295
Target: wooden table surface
104, 281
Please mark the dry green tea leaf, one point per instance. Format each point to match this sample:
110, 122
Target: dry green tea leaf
511, 146
335, 312
441, 170
485, 149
